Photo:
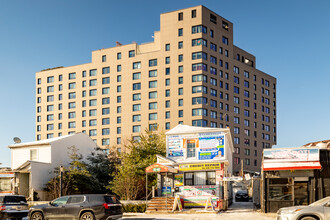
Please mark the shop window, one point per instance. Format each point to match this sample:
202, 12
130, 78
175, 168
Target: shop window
199, 178
188, 179
280, 189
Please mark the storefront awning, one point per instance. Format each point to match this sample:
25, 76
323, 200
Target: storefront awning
291, 159
292, 166
159, 168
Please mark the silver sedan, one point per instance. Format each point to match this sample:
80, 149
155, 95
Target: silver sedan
319, 210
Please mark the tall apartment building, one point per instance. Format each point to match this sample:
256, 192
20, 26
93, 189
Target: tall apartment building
191, 73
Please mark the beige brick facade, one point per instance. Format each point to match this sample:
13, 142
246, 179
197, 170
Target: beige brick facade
162, 79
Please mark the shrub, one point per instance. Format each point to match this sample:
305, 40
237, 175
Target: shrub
134, 207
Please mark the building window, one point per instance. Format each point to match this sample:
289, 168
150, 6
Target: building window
118, 68
180, 113
193, 13
136, 86
92, 112
180, 32
167, 93
50, 79
167, 60
191, 148
180, 44
152, 105
153, 84
105, 141
92, 82
180, 69
199, 66
72, 124
198, 42
180, 58
152, 95
167, 82
153, 62
213, 47
136, 107
93, 72
105, 70
199, 29
167, 71
105, 101
131, 53
152, 116
105, 111
180, 16
136, 76
50, 127
105, 121
92, 132
104, 58
136, 65
199, 55
180, 91
136, 96
106, 80
33, 154
136, 118
136, 128
105, 90
73, 105
167, 47
213, 18
225, 40
167, 103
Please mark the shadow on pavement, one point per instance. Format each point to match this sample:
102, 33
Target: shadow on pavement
240, 207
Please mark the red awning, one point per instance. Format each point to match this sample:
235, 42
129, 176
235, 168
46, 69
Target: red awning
159, 168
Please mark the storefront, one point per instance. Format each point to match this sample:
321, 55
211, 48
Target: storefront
294, 176
201, 158
6, 183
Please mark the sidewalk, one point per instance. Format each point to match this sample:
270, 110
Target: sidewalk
239, 210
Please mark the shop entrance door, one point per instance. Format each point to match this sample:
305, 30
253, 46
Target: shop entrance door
167, 184
301, 193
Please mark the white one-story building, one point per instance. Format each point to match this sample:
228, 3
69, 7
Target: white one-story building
33, 163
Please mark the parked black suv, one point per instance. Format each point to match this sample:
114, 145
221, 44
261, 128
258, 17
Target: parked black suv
82, 207
13, 207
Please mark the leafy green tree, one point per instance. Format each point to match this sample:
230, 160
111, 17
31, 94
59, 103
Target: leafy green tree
129, 180
83, 177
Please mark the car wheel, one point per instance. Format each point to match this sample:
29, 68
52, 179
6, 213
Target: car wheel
37, 216
87, 216
308, 218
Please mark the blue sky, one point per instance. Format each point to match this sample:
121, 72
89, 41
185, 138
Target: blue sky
290, 40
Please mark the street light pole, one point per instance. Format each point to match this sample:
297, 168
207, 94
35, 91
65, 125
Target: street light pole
61, 179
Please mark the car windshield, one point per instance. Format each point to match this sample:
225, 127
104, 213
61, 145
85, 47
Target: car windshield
321, 201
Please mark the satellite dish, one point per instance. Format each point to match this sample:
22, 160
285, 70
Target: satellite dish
17, 140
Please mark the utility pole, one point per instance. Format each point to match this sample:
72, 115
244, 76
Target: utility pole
242, 171
61, 179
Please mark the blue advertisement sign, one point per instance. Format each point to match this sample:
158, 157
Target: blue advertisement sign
211, 146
